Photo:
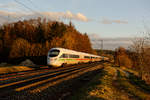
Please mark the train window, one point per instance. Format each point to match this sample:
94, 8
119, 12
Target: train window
70, 56
73, 56
64, 56
92, 57
76, 56
54, 53
86, 57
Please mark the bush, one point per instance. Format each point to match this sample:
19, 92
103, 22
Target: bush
122, 59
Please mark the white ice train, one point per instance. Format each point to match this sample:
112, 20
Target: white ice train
60, 57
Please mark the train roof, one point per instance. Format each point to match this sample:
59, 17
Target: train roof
73, 51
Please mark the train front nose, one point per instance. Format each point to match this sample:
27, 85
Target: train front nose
52, 61
52, 57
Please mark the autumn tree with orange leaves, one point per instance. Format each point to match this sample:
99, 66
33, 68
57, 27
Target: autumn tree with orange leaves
122, 58
35, 37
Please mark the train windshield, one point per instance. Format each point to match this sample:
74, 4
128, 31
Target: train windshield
54, 53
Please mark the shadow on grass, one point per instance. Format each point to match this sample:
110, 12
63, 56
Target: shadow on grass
88, 98
83, 92
132, 86
139, 83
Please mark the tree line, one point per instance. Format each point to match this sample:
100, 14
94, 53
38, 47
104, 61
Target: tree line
35, 37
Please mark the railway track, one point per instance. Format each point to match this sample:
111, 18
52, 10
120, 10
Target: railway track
37, 81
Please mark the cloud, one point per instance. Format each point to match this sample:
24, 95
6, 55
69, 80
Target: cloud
108, 21
9, 5
65, 15
81, 17
13, 16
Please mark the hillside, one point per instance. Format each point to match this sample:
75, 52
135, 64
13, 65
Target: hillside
35, 37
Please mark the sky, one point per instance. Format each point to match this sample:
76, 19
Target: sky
105, 18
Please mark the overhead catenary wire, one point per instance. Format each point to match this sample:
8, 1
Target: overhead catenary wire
34, 11
28, 8
40, 9
34, 5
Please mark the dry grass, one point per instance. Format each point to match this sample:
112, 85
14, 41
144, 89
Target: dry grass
129, 70
11, 69
106, 90
111, 84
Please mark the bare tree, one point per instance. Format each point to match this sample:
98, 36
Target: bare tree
141, 56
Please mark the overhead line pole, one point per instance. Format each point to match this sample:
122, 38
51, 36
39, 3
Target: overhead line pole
102, 49
101, 46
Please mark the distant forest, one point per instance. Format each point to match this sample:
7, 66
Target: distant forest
35, 37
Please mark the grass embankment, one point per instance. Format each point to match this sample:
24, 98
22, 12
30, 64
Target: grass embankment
11, 69
114, 84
